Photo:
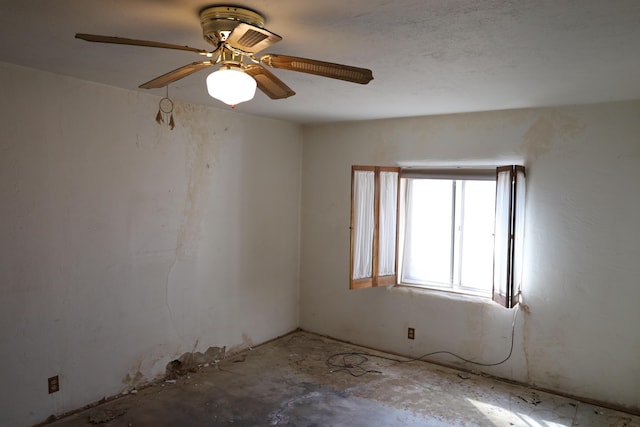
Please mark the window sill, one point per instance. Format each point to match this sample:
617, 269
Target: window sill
449, 294
449, 290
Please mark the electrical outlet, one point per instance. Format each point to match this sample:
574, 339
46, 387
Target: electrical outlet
54, 384
411, 334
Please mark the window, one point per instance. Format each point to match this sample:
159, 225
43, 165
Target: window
458, 230
374, 226
448, 239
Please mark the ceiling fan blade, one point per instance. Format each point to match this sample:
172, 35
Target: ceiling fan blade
320, 68
272, 86
176, 74
134, 42
250, 38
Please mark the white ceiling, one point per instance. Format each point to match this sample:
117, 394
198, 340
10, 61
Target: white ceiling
427, 56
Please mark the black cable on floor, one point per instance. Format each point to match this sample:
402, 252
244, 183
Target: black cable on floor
355, 369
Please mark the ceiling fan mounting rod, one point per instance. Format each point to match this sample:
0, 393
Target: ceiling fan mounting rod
231, 56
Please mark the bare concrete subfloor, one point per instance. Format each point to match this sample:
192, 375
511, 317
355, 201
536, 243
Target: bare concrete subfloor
287, 382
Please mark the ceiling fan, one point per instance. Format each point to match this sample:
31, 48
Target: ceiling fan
237, 35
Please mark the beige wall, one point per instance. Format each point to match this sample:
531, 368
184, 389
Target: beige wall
125, 244
581, 245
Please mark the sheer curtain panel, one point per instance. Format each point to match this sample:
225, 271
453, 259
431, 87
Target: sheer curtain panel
374, 225
363, 189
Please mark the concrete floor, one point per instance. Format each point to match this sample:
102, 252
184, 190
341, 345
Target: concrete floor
287, 382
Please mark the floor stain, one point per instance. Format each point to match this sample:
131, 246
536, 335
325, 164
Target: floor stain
288, 382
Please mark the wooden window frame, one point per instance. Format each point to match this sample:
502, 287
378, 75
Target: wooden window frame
375, 279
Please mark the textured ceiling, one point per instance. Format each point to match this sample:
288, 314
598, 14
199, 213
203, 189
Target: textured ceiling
427, 56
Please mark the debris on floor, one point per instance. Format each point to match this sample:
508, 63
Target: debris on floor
100, 416
288, 382
240, 359
533, 399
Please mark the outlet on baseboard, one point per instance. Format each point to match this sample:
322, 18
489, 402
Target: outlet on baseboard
411, 334
54, 384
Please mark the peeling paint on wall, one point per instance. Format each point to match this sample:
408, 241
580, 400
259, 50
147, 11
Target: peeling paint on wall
191, 362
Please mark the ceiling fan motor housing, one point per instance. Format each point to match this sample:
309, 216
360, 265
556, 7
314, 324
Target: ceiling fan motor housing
217, 22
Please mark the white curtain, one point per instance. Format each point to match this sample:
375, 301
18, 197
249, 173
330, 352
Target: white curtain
502, 232
387, 223
363, 189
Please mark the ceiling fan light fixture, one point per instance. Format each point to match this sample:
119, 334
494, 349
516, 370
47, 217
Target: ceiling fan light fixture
231, 85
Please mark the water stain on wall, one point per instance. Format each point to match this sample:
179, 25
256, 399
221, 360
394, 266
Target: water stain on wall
475, 330
135, 380
247, 343
547, 130
526, 340
203, 149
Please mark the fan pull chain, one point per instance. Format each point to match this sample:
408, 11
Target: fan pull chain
165, 111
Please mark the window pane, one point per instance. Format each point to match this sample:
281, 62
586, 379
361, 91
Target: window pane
363, 189
476, 264
427, 256
387, 224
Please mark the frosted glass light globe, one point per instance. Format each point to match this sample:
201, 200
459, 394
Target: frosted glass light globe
231, 86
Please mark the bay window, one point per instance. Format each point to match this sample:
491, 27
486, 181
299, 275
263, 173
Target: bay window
452, 230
